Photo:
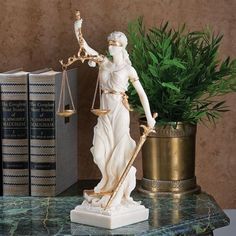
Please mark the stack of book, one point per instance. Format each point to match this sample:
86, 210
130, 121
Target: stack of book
39, 154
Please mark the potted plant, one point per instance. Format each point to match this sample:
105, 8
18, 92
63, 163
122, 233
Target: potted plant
184, 80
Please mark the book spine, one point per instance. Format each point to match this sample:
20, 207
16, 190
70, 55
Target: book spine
42, 135
14, 132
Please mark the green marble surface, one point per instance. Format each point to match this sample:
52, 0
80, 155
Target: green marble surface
188, 215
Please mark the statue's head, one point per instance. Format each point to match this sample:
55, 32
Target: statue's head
118, 38
117, 44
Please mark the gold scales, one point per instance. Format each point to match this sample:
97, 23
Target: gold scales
62, 111
98, 112
82, 56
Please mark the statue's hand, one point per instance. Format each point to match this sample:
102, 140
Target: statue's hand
91, 63
151, 122
78, 24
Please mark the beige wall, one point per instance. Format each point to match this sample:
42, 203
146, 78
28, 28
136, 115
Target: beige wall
37, 33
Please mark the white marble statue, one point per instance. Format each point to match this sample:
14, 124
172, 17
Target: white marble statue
112, 144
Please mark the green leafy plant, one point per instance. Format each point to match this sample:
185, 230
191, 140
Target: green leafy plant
180, 72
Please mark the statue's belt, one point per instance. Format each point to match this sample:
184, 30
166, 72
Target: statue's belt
124, 97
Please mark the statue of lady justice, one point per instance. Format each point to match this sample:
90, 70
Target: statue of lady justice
112, 144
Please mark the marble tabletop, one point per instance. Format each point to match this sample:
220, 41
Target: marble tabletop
186, 215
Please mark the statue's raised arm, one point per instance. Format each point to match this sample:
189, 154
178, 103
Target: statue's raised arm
85, 51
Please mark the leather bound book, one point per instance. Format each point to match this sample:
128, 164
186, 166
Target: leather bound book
14, 133
53, 139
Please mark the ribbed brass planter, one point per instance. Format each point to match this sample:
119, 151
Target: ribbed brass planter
169, 160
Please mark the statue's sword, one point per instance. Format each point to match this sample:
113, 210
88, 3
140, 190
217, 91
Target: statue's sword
146, 130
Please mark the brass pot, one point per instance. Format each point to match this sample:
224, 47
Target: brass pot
168, 158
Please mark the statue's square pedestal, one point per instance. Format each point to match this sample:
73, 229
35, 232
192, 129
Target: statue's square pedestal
109, 220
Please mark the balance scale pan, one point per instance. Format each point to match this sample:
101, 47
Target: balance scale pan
66, 113
99, 112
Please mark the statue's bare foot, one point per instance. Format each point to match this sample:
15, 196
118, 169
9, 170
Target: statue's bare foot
130, 200
100, 185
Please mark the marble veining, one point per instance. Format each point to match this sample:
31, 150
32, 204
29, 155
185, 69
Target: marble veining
193, 214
